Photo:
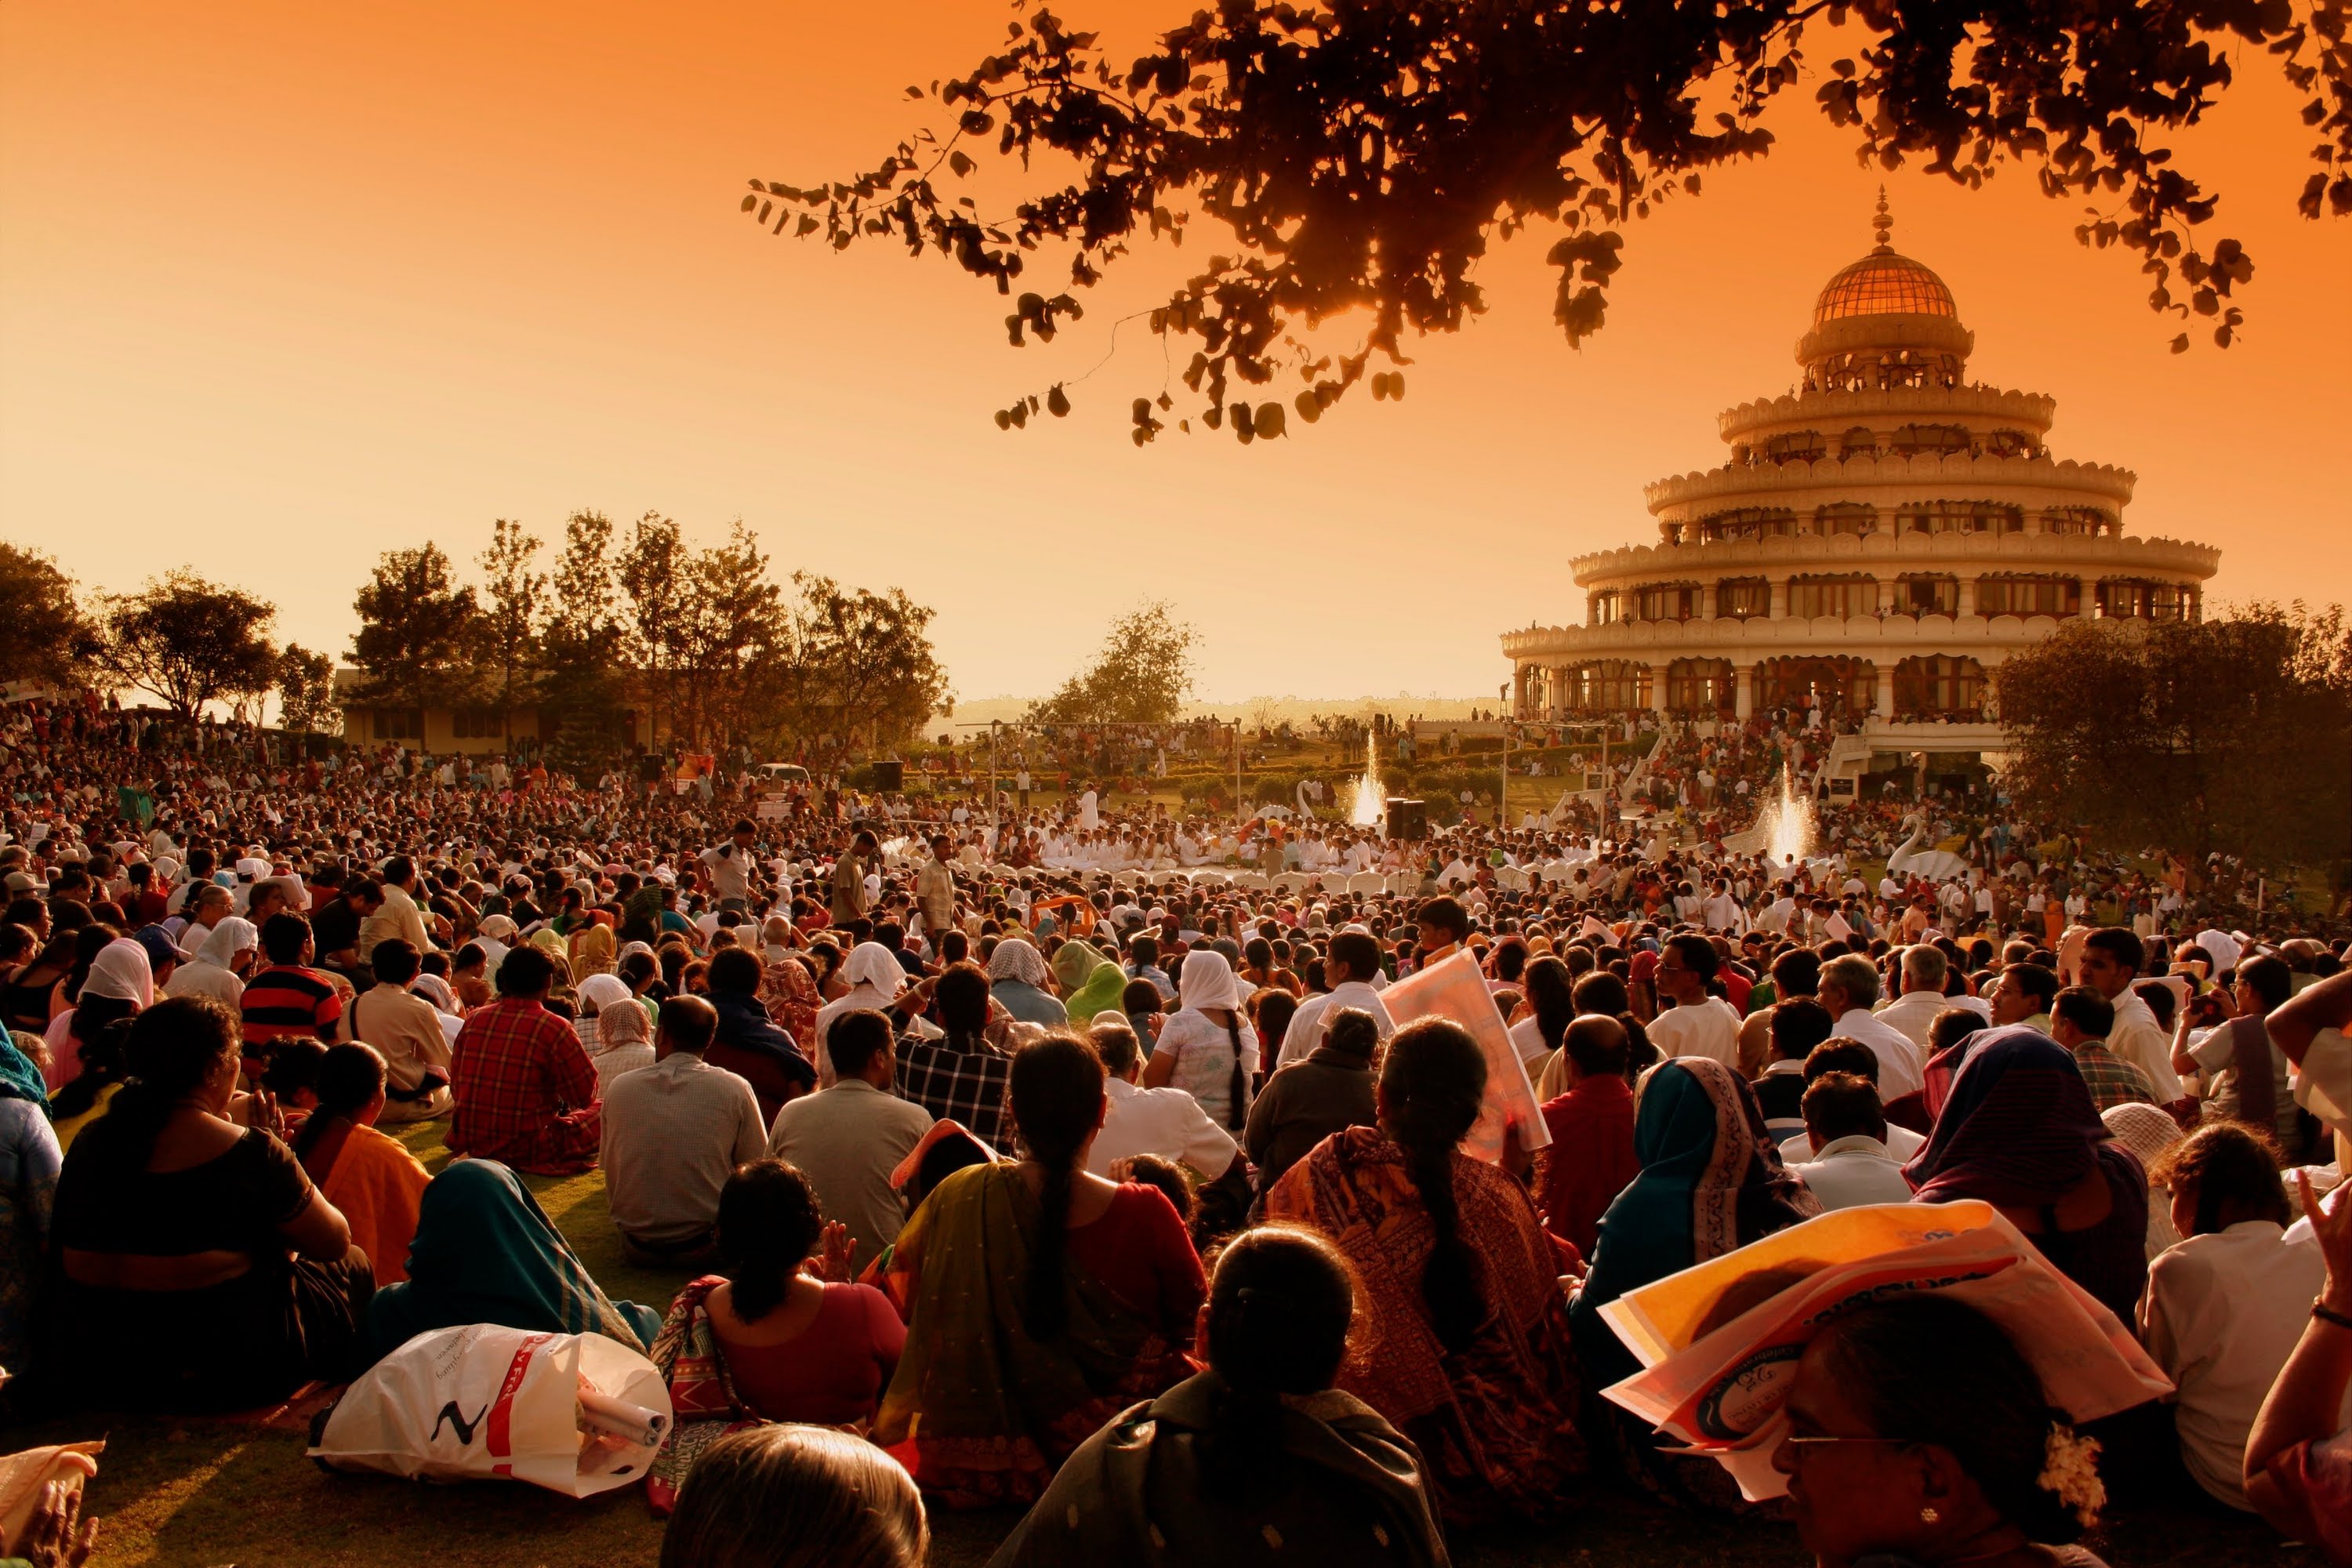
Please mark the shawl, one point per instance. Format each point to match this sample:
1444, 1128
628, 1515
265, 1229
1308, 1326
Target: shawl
605, 991
622, 1023
702, 1398
1100, 994
592, 951
1207, 980
1016, 958
1711, 1183
1496, 1419
122, 971
791, 997
2020, 1129
377, 1184
875, 974
1143, 1490
19, 1079
979, 1412
233, 935
1074, 964
485, 1253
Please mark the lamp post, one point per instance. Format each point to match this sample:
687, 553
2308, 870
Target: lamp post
1503, 795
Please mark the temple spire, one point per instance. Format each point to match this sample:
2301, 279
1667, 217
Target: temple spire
1884, 224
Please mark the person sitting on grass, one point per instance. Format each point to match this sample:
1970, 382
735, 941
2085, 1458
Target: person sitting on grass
200, 1270
1919, 1435
1258, 1448
486, 1252
371, 1178
781, 1336
796, 1497
526, 1093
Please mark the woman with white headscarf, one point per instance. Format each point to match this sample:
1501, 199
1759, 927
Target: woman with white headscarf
1021, 981
121, 981
220, 965
875, 978
613, 1028
1207, 1048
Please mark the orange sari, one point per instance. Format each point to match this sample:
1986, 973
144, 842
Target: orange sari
377, 1184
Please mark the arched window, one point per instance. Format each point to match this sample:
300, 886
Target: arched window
2087, 520
1908, 439
1606, 686
1601, 608
1798, 446
1845, 517
1700, 686
1959, 517
2028, 593
1666, 602
1859, 441
1939, 686
1926, 593
1846, 597
1835, 685
2133, 598
1746, 523
1743, 598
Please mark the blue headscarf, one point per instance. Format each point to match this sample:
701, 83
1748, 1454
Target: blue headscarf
1711, 1182
486, 1252
19, 1079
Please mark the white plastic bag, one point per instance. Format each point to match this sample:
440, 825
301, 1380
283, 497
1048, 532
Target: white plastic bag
566, 1412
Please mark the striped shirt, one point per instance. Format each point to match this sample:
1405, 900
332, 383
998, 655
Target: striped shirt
286, 1000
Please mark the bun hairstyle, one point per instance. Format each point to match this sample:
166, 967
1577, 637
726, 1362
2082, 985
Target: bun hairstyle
769, 1222
1928, 1370
1278, 1314
1056, 1090
349, 1075
1432, 1086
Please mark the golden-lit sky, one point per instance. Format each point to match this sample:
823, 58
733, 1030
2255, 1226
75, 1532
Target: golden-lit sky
282, 286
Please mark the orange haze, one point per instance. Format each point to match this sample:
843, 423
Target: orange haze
282, 286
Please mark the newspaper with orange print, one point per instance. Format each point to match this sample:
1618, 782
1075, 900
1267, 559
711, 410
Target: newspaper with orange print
1455, 988
1718, 1342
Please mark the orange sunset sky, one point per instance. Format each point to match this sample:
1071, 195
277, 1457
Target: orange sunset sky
282, 286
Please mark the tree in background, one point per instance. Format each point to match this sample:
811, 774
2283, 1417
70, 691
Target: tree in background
582, 689
1364, 157
851, 666
509, 626
2233, 733
49, 636
1142, 674
306, 690
731, 615
651, 572
188, 641
419, 630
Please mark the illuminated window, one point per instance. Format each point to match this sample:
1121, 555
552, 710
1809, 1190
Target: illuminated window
1743, 598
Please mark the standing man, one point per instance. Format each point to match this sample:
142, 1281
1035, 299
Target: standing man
934, 892
846, 900
726, 867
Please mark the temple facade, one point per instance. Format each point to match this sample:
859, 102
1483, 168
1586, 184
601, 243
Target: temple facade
1877, 543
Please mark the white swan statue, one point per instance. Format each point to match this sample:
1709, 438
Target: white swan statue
1910, 860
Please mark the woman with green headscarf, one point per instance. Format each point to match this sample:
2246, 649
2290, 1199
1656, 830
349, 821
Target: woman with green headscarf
486, 1252
1100, 994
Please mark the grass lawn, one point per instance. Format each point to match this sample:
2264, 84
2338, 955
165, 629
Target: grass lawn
212, 1494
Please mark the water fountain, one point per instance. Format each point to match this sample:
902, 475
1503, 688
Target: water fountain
1372, 800
1786, 826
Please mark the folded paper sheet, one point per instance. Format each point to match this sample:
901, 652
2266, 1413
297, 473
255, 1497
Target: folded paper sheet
1453, 988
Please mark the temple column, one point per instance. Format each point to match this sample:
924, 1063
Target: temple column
2090, 606
1968, 596
1707, 609
1885, 703
1658, 688
1743, 700
1779, 606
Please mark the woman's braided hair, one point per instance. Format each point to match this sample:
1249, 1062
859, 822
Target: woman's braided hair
1430, 1089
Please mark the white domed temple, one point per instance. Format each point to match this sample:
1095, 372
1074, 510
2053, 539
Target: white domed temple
1879, 540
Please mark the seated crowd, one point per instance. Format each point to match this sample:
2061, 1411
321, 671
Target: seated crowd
1154, 1222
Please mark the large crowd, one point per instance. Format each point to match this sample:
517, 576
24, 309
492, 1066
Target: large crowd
1040, 1151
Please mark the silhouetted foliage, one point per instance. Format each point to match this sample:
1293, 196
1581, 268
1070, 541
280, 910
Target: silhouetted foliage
1141, 675
1363, 154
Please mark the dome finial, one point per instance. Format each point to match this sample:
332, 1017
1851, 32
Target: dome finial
1884, 224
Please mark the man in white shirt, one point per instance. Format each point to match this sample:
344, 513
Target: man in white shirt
1348, 968
726, 867
1849, 988
1925, 971
1168, 1122
1721, 910
1852, 1165
1854, 1057
673, 1133
1697, 1024
2112, 959
847, 1140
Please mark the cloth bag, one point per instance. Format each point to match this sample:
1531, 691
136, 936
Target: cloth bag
576, 1414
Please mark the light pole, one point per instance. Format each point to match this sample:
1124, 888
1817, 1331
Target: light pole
1503, 795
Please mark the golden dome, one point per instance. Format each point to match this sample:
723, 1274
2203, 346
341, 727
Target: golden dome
1885, 284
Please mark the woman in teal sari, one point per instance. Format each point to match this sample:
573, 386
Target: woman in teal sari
1711, 1182
485, 1253
1046, 1300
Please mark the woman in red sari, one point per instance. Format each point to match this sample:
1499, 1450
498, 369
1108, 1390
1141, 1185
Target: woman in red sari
1464, 1344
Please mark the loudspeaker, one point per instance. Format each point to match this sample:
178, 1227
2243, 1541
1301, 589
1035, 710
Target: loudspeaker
1407, 819
890, 777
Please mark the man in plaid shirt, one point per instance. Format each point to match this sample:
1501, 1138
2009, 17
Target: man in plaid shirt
962, 1076
2079, 1020
526, 1091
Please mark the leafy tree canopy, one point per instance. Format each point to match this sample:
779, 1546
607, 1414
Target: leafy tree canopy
189, 641
49, 638
2232, 733
1364, 153
1141, 675
418, 628
306, 690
